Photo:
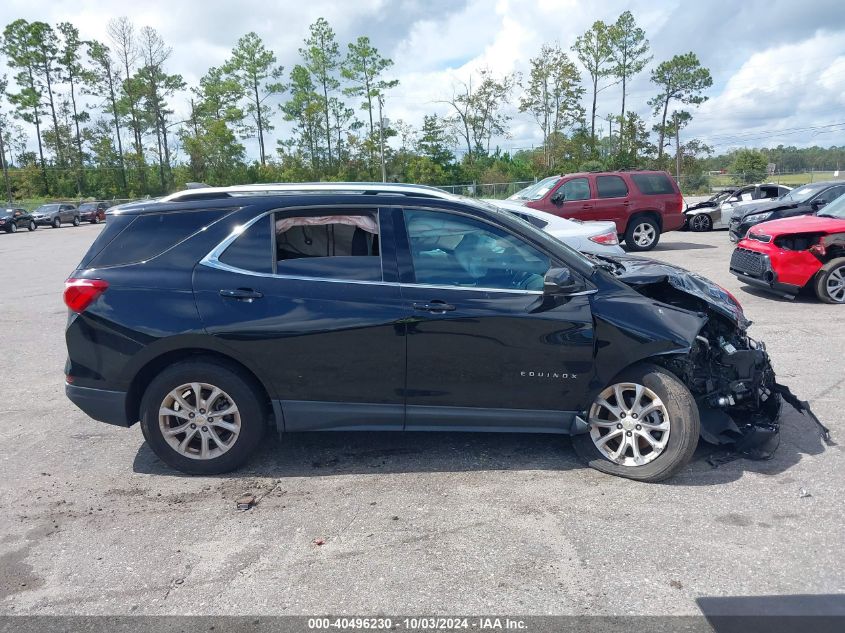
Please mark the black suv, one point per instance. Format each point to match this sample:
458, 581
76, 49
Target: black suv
380, 307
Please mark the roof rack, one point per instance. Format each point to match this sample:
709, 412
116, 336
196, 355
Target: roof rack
269, 189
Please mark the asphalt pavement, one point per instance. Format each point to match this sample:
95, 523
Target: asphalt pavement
92, 523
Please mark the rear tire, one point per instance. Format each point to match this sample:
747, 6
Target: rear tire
241, 431
76, 221
830, 281
661, 456
642, 233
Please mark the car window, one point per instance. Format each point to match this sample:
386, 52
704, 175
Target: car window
337, 246
575, 189
653, 184
253, 249
148, 235
769, 192
454, 250
831, 194
611, 187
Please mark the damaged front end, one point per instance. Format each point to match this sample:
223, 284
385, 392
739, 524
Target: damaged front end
729, 373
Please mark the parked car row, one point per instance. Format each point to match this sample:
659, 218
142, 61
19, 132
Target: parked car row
52, 214
716, 212
797, 252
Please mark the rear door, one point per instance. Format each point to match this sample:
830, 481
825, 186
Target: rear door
486, 348
312, 298
612, 202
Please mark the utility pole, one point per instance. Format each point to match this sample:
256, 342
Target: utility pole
677, 152
381, 137
5, 166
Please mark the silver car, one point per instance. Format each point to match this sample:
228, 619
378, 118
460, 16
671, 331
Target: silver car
716, 213
598, 238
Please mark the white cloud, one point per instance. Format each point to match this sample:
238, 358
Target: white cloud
776, 64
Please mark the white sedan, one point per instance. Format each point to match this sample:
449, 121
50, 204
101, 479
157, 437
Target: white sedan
599, 238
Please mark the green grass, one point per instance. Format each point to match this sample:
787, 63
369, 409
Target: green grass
791, 180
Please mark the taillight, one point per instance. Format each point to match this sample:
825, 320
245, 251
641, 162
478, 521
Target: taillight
80, 293
610, 238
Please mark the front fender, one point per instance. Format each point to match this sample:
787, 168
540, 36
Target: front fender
631, 328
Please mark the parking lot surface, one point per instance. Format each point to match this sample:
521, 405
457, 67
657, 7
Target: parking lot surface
93, 523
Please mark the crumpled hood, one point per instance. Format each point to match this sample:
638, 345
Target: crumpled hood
641, 271
761, 207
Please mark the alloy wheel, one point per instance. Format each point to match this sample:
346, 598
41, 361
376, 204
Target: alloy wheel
629, 424
199, 420
13, 228
700, 222
835, 284
644, 235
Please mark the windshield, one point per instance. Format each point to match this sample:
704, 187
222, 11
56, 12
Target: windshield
47, 208
551, 243
802, 194
537, 190
88, 206
835, 209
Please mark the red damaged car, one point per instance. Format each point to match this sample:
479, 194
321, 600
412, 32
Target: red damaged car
793, 253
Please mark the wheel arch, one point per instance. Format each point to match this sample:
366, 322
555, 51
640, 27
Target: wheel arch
153, 366
653, 213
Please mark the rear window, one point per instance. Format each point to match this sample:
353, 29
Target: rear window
145, 236
653, 184
611, 187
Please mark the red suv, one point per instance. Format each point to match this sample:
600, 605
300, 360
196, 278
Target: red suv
643, 204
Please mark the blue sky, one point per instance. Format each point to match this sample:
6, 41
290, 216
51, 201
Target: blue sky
778, 65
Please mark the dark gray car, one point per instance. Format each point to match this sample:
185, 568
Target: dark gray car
55, 214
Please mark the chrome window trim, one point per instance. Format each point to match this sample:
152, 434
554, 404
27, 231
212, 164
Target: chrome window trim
212, 259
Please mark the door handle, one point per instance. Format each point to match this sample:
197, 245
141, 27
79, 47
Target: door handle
434, 306
241, 294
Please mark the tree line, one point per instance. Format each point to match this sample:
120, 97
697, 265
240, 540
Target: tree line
104, 113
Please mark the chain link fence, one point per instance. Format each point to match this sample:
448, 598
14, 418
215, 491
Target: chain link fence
498, 190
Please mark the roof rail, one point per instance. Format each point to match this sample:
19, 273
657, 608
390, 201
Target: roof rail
269, 189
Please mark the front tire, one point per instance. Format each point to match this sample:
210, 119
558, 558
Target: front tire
57, 223
644, 426
202, 417
32, 226
642, 234
700, 223
13, 228
830, 281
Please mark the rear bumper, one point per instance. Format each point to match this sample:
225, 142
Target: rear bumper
101, 404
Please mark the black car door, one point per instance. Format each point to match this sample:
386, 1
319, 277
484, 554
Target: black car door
486, 347
312, 299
